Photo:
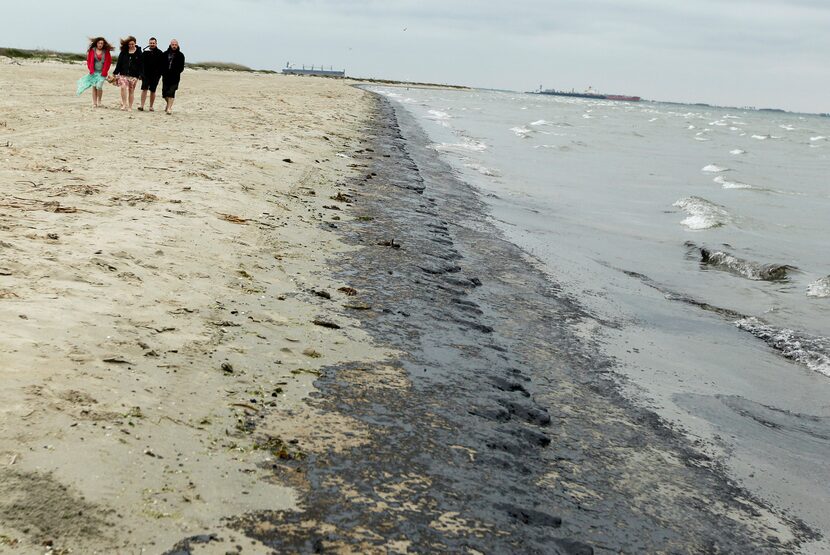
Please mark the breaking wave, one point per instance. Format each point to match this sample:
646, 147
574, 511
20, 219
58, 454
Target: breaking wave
466, 145
820, 288
737, 151
809, 350
744, 268
702, 214
483, 170
726, 184
714, 168
522, 132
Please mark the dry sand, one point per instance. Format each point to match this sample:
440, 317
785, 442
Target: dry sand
138, 253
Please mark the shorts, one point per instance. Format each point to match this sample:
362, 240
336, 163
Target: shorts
169, 87
127, 82
150, 83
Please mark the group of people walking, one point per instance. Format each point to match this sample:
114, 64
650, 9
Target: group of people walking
149, 65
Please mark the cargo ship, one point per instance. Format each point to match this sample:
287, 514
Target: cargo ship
589, 93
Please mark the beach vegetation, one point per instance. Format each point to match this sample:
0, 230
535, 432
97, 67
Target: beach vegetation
42, 55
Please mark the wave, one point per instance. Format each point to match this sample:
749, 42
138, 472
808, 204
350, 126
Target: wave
703, 214
438, 115
467, 145
809, 350
522, 132
726, 184
820, 288
714, 168
744, 268
818, 138
787, 127
737, 151
764, 137
483, 170
539, 122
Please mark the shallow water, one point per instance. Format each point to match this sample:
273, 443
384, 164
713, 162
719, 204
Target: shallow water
616, 200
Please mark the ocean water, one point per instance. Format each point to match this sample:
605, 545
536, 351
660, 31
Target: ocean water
697, 239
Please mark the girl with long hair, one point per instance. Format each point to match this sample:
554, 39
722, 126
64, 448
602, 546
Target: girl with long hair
128, 71
98, 61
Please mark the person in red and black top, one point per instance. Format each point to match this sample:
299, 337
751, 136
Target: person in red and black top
128, 71
174, 66
98, 61
153, 62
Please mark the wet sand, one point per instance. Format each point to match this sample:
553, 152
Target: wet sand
206, 346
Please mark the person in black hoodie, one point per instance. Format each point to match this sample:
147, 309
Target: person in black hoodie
128, 71
174, 66
153, 62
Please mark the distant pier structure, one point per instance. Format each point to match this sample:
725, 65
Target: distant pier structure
315, 71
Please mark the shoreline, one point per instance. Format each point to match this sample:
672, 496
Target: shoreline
321, 354
525, 407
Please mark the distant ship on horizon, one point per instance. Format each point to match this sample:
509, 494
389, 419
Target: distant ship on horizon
588, 93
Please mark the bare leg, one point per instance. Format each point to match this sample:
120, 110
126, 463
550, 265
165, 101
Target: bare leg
132, 97
152, 99
144, 99
123, 98
99, 93
94, 97
170, 102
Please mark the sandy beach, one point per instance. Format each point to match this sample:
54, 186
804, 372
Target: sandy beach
157, 278
277, 322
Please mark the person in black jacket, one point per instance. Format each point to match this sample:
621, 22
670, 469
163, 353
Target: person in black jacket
153, 62
174, 66
128, 71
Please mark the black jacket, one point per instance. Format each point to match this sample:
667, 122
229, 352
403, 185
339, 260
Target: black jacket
129, 64
173, 67
153, 62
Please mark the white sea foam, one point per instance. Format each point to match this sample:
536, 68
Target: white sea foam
691, 127
702, 214
522, 132
809, 350
714, 168
818, 138
586, 116
652, 120
438, 115
726, 184
787, 127
820, 288
702, 139
483, 170
540, 122
764, 137
466, 145
737, 151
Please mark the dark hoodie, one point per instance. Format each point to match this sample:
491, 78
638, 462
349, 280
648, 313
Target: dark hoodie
173, 64
154, 62
129, 64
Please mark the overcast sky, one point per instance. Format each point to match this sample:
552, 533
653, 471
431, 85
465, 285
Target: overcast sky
763, 53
